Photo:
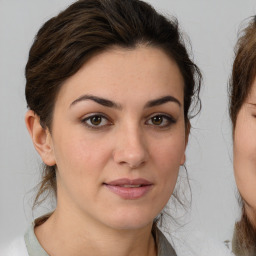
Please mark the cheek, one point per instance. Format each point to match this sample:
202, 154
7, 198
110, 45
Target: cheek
171, 150
80, 161
81, 154
245, 140
167, 161
168, 156
244, 145
245, 159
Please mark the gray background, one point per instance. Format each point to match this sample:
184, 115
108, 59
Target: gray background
212, 26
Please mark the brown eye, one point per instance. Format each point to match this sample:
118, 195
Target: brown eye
161, 121
157, 120
96, 120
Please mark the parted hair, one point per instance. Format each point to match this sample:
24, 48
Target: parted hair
243, 75
86, 28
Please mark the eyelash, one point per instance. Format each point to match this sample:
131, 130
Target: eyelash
167, 119
93, 126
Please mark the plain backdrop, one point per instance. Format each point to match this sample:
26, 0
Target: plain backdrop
212, 27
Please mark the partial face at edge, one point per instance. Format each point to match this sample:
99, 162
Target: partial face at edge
121, 116
245, 152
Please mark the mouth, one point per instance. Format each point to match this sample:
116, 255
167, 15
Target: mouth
129, 189
130, 186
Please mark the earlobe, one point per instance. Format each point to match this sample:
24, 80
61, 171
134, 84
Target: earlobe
41, 138
183, 159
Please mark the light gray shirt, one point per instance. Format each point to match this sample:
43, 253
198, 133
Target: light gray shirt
35, 249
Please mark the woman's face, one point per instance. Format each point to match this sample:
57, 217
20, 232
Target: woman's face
118, 137
245, 152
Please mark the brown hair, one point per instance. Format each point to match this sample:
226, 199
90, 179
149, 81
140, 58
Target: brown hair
88, 27
244, 70
243, 75
244, 239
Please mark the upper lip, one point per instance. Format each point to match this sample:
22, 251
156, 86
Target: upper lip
125, 181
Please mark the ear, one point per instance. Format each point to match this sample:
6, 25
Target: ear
41, 138
187, 132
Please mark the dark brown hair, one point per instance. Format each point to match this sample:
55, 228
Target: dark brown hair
243, 75
244, 70
88, 27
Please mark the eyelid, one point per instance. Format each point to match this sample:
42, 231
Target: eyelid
171, 120
167, 119
96, 127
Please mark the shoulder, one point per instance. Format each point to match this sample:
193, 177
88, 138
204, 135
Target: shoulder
202, 245
16, 248
196, 243
164, 246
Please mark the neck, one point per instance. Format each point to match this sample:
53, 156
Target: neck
86, 237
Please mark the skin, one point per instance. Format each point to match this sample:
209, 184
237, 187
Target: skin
244, 153
127, 143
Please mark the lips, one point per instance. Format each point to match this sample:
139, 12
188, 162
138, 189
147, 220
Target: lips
129, 189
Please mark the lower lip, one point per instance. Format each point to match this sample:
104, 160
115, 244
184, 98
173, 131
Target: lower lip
129, 193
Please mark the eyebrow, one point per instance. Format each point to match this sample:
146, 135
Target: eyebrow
111, 104
253, 104
99, 100
161, 101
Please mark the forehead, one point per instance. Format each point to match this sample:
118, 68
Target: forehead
123, 73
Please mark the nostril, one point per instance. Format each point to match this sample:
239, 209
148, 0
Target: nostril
131, 150
133, 164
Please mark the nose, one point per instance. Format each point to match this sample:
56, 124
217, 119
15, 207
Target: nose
131, 149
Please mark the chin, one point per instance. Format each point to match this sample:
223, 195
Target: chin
130, 221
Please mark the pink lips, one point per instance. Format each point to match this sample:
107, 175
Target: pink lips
129, 189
